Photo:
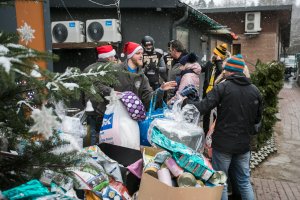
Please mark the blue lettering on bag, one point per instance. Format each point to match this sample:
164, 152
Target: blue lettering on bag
107, 122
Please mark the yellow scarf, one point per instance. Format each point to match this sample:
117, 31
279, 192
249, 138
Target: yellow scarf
211, 81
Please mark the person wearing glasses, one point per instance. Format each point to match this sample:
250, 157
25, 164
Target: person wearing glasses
176, 51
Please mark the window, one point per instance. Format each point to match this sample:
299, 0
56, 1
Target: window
182, 34
236, 49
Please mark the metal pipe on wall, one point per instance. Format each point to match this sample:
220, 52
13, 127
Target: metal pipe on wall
181, 20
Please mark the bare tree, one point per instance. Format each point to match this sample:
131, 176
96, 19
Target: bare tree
289, 2
196, 2
271, 2
211, 4
264, 2
200, 4
228, 3
240, 3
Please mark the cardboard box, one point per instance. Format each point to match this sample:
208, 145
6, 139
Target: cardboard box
152, 189
125, 157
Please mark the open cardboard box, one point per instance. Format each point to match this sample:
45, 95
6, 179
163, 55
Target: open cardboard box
152, 189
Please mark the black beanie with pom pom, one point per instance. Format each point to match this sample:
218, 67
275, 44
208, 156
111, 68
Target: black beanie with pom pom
189, 58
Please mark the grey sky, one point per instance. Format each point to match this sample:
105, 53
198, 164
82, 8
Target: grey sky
217, 2
220, 1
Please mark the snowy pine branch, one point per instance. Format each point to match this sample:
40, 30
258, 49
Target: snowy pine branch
27, 120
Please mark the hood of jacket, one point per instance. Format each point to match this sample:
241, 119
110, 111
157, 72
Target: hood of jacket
193, 66
125, 67
239, 78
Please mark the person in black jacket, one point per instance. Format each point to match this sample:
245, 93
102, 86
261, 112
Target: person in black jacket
212, 70
239, 109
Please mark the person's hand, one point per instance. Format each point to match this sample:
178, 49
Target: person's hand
168, 85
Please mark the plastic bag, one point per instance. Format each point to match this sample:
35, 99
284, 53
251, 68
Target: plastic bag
150, 116
111, 166
185, 157
73, 125
117, 126
208, 140
189, 113
185, 133
181, 125
88, 165
29, 190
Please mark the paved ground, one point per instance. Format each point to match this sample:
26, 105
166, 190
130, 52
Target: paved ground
267, 189
279, 176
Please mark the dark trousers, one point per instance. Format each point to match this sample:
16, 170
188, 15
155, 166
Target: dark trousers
154, 85
94, 122
206, 122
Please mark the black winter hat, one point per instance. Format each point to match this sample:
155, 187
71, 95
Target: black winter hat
189, 58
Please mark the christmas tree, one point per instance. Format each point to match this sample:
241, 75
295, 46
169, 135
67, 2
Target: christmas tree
268, 77
29, 111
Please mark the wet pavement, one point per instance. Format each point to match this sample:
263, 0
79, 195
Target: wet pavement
278, 177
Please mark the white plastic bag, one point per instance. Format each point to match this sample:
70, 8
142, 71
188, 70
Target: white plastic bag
73, 126
189, 113
186, 133
181, 125
73, 131
117, 126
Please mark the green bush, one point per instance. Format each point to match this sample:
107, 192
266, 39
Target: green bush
268, 77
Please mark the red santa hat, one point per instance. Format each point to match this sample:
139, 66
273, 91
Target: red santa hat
130, 48
105, 51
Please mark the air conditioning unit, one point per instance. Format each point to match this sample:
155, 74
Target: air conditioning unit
252, 22
68, 31
105, 30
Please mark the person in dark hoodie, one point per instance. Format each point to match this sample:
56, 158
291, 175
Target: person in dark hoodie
239, 109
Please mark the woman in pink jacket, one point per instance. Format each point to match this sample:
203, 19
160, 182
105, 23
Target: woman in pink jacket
189, 77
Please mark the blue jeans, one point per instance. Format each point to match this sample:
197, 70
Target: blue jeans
94, 132
239, 164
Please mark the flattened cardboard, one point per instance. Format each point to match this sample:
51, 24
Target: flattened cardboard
122, 155
152, 189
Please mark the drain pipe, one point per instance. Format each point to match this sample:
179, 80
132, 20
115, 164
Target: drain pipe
181, 20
